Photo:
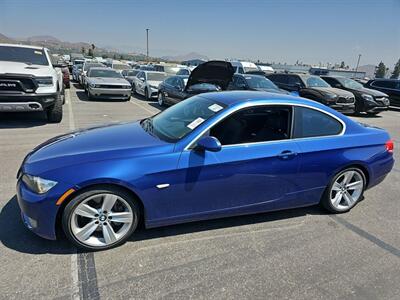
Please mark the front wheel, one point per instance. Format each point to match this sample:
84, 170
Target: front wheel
89, 95
161, 99
100, 219
146, 94
344, 191
55, 112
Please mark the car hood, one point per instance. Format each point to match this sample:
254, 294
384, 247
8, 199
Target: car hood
107, 80
371, 92
332, 90
154, 82
94, 144
215, 72
22, 68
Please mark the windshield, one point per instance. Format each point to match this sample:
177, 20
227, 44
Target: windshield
179, 120
104, 73
120, 67
23, 55
315, 81
87, 66
250, 69
258, 82
156, 76
132, 73
350, 84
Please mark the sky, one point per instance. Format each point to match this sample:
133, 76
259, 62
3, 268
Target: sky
272, 31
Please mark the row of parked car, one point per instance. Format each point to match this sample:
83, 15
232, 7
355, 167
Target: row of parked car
151, 81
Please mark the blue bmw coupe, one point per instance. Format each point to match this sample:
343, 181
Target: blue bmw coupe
210, 156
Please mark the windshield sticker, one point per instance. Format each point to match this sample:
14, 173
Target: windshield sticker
215, 107
38, 52
195, 123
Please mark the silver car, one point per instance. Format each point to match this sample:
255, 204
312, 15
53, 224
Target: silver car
146, 83
107, 83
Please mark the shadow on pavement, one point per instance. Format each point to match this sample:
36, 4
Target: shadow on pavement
22, 120
81, 94
14, 235
173, 230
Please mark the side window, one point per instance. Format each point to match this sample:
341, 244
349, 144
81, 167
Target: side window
332, 81
169, 80
293, 80
312, 123
252, 125
279, 78
385, 84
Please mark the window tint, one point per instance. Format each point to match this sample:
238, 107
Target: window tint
331, 81
256, 124
385, 84
170, 80
278, 78
311, 123
292, 80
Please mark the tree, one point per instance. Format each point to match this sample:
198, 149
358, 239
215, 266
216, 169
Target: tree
83, 50
121, 57
93, 47
342, 65
380, 71
396, 70
90, 52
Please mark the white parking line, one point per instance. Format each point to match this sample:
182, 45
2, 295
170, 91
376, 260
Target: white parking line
70, 112
142, 106
75, 276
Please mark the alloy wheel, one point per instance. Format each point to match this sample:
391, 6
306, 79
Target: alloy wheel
346, 190
101, 220
160, 99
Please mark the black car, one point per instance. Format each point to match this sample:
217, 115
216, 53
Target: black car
367, 100
254, 83
315, 88
390, 87
211, 76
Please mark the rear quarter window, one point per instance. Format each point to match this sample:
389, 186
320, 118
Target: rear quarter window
313, 123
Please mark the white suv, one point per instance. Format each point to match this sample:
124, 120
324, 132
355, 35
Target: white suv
29, 81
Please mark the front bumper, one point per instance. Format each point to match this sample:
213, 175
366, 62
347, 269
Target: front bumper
343, 107
11, 102
153, 92
110, 93
39, 212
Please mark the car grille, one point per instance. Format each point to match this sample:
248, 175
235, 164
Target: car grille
17, 84
348, 99
107, 86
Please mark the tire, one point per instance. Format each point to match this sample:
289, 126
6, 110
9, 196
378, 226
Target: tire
99, 236
336, 196
374, 113
89, 95
55, 112
161, 99
146, 94
134, 89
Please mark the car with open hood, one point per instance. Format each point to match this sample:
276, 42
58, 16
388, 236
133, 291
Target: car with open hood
211, 76
315, 88
107, 83
369, 101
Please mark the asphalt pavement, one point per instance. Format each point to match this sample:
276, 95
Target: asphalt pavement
294, 254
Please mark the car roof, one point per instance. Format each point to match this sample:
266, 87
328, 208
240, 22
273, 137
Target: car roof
102, 68
22, 46
384, 79
149, 71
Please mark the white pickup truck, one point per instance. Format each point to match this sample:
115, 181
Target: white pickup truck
29, 81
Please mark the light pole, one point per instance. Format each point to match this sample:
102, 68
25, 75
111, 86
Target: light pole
147, 43
358, 62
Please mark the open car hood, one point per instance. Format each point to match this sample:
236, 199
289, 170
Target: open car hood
213, 72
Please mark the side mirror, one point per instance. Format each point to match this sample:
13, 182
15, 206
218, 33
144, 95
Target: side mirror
209, 143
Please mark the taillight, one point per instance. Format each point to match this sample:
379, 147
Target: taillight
389, 146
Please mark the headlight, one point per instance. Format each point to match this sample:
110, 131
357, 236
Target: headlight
44, 81
92, 85
37, 184
128, 87
367, 97
153, 86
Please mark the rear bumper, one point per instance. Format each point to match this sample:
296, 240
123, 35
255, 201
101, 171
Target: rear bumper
10, 102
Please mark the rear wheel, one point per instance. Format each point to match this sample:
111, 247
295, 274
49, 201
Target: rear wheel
344, 191
55, 112
100, 219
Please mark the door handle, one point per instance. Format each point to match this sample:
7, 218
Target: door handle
287, 154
